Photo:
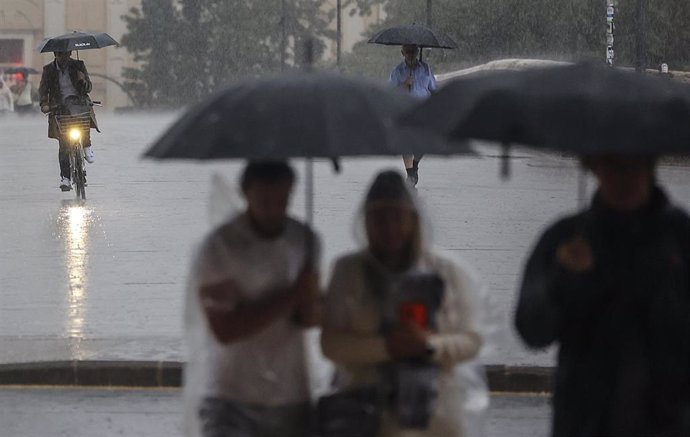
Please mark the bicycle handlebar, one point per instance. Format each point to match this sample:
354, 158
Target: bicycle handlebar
55, 108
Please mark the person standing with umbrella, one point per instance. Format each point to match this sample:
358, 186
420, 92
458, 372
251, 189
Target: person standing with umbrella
412, 74
254, 289
609, 285
415, 77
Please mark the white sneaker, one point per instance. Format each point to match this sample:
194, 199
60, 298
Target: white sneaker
65, 184
88, 155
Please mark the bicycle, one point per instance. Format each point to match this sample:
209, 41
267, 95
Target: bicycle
72, 128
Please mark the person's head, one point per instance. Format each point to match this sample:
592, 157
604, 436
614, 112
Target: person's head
62, 57
625, 182
410, 53
392, 221
267, 187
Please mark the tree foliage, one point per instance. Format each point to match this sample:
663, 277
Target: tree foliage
549, 29
187, 49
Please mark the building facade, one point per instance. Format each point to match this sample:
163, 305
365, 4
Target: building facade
25, 23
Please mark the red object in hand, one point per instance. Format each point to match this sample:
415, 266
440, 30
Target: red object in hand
413, 312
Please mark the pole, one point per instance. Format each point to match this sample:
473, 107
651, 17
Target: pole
641, 35
428, 24
283, 37
428, 13
339, 33
610, 27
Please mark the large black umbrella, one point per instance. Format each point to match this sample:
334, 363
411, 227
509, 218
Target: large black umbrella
299, 115
76, 41
413, 34
586, 109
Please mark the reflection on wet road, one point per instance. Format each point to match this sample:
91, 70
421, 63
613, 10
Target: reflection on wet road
74, 221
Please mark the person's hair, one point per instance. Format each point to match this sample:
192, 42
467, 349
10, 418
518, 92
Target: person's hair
266, 171
588, 161
389, 186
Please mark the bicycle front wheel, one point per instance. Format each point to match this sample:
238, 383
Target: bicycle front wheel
79, 174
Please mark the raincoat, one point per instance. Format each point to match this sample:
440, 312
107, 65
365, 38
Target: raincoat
351, 336
278, 367
49, 91
622, 326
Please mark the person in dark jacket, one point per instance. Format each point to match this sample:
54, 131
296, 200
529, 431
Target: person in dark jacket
611, 286
65, 81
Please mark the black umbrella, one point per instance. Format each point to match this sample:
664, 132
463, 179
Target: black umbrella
23, 70
586, 109
300, 115
76, 41
413, 34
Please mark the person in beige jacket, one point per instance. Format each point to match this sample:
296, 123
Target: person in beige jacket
353, 312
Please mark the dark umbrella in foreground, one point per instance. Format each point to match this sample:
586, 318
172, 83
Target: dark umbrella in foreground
76, 41
298, 116
309, 115
584, 109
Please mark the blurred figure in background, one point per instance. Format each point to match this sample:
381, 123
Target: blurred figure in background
254, 289
415, 77
372, 332
24, 95
6, 99
611, 286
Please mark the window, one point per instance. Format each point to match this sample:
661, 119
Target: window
11, 51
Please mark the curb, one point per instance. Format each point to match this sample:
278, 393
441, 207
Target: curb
168, 374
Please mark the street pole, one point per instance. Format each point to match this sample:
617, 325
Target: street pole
428, 24
641, 35
283, 36
428, 13
339, 34
610, 27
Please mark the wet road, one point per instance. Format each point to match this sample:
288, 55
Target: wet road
106, 413
104, 279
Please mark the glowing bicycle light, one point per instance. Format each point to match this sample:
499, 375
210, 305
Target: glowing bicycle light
74, 134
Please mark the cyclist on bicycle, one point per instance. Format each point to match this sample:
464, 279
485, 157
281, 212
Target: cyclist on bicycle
66, 82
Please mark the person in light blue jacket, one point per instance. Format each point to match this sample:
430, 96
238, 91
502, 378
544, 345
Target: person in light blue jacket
414, 76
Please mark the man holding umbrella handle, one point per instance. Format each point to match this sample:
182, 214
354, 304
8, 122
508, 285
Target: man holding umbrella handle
65, 82
414, 76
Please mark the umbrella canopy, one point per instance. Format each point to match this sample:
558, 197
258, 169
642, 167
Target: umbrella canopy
299, 115
23, 70
76, 41
585, 109
413, 34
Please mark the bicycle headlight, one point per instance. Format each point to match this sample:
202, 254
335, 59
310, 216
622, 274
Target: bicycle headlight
74, 134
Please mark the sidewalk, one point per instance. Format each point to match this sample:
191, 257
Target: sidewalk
168, 374
61, 412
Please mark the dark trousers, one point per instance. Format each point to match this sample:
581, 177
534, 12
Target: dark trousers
225, 418
63, 154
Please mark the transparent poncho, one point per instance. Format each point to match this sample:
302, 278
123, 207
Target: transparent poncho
465, 397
